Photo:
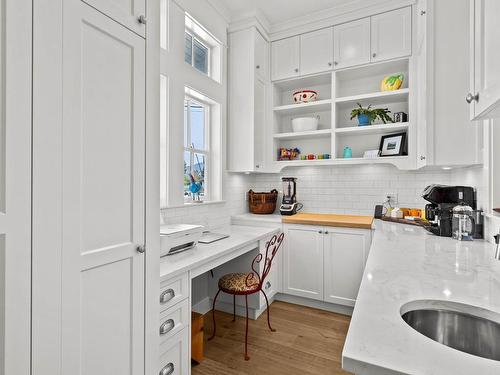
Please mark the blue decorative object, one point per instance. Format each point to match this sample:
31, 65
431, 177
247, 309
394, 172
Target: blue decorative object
347, 152
363, 120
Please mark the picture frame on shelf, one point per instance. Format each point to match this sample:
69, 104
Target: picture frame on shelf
393, 145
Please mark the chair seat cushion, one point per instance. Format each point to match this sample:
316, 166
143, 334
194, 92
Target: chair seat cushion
237, 283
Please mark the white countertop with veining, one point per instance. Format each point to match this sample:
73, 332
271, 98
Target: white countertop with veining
239, 237
405, 264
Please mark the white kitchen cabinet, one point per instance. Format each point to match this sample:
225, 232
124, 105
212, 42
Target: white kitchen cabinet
351, 43
285, 58
316, 51
303, 261
248, 101
345, 253
391, 34
130, 13
98, 315
484, 93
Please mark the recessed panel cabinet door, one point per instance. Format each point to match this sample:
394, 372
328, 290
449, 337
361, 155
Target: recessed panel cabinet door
126, 12
285, 58
484, 96
391, 34
103, 195
303, 261
345, 255
316, 51
351, 43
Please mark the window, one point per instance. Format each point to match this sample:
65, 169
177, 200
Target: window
196, 53
196, 150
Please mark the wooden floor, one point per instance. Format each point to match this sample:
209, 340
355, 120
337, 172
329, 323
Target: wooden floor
306, 341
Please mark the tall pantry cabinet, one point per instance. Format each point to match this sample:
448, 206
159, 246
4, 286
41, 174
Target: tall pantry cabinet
89, 267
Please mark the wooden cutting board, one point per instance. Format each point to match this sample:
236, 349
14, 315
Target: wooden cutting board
345, 221
418, 222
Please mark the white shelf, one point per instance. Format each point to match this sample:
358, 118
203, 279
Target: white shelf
377, 97
309, 134
373, 129
337, 161
317, 106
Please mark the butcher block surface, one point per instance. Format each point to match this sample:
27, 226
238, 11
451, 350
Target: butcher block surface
345, 221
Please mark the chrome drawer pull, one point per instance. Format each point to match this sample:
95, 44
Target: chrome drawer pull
167, 295
167, 327
168, 369
268, 285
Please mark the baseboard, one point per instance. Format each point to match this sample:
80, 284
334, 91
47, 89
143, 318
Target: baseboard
240, 310
332, 307
202, 307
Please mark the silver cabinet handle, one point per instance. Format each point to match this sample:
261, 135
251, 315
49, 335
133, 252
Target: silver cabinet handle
141, 249
257, 166
422, 12
167, 326
335, 63
141, 19
167, 295
258, 67
470, 98
374, 55
326, 232
422, 157
320, 232
168, 369
296, 70
268, 285
329, 64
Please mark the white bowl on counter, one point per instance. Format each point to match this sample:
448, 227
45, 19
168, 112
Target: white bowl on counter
305, 124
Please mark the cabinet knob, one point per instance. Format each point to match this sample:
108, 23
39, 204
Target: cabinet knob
329, 64
326, 232
142, 19
168, 369
141, 249
167, 295
268, 285
257, 67
167, 326
335, 63
320, 232
422, 12
257, 166
296, 70
422, 157
374, 55
470, 98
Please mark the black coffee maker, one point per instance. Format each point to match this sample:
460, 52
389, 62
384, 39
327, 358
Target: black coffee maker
443, 198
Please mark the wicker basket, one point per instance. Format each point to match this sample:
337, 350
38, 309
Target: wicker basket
262, 203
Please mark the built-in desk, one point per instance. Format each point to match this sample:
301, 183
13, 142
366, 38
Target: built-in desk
176, 273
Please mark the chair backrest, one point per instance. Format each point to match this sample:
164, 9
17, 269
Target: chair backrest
271, 249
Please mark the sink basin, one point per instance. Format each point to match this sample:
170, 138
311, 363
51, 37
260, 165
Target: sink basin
460, 330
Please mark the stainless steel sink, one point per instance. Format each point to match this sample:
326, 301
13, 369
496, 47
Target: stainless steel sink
458, 330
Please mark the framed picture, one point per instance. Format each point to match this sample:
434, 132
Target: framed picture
393, 144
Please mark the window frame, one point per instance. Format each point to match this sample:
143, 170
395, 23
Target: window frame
206, 151
196, 38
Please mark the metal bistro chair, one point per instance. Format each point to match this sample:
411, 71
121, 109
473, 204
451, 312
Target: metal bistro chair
244, 284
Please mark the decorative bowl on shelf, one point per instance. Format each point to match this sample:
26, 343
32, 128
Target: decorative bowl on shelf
305, 96
305, 124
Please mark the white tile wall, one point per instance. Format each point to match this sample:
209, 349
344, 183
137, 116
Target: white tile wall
354, 189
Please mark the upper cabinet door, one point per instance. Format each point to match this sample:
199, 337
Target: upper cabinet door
285, 58
391, 34
484, 96
130, 13
261, 56
351, 43
316, 51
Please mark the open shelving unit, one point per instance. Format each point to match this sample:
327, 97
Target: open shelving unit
338, 93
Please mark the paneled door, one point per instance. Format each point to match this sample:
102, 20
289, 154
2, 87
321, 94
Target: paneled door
285, 58
391, 34
351, 43
130, 13
103, 209
316, 51
303, 261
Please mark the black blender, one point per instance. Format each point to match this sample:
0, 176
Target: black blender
289, 205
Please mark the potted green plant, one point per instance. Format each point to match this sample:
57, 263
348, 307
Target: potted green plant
367, 115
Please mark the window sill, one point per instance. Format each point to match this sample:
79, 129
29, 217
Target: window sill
190, 204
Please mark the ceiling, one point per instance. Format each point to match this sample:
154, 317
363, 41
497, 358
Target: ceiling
277, 11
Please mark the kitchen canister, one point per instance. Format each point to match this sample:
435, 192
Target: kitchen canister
347, 152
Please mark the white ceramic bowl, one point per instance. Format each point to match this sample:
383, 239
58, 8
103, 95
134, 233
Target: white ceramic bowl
304, 124
305, 96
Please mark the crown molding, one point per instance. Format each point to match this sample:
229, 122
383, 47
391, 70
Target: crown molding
333, 16
255, 19
221, 9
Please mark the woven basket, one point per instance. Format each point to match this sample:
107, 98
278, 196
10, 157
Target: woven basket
262, 203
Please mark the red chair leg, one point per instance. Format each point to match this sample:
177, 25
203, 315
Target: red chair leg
234, 307
268, 320
246, 331
213, 316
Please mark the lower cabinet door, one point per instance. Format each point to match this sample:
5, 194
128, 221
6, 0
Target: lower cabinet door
174, 355
345, 253
303, 261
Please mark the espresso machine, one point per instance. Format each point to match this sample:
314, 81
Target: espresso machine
443, 199
289, 205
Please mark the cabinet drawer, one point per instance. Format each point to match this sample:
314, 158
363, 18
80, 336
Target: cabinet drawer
174, 355
173, 291
174, 320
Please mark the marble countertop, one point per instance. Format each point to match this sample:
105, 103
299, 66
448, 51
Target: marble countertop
252, 219
406, 263
239, 237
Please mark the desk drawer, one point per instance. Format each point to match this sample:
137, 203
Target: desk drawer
174, 355
173, 291
174, 320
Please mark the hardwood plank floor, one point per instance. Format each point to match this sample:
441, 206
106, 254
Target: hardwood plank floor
306, 341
